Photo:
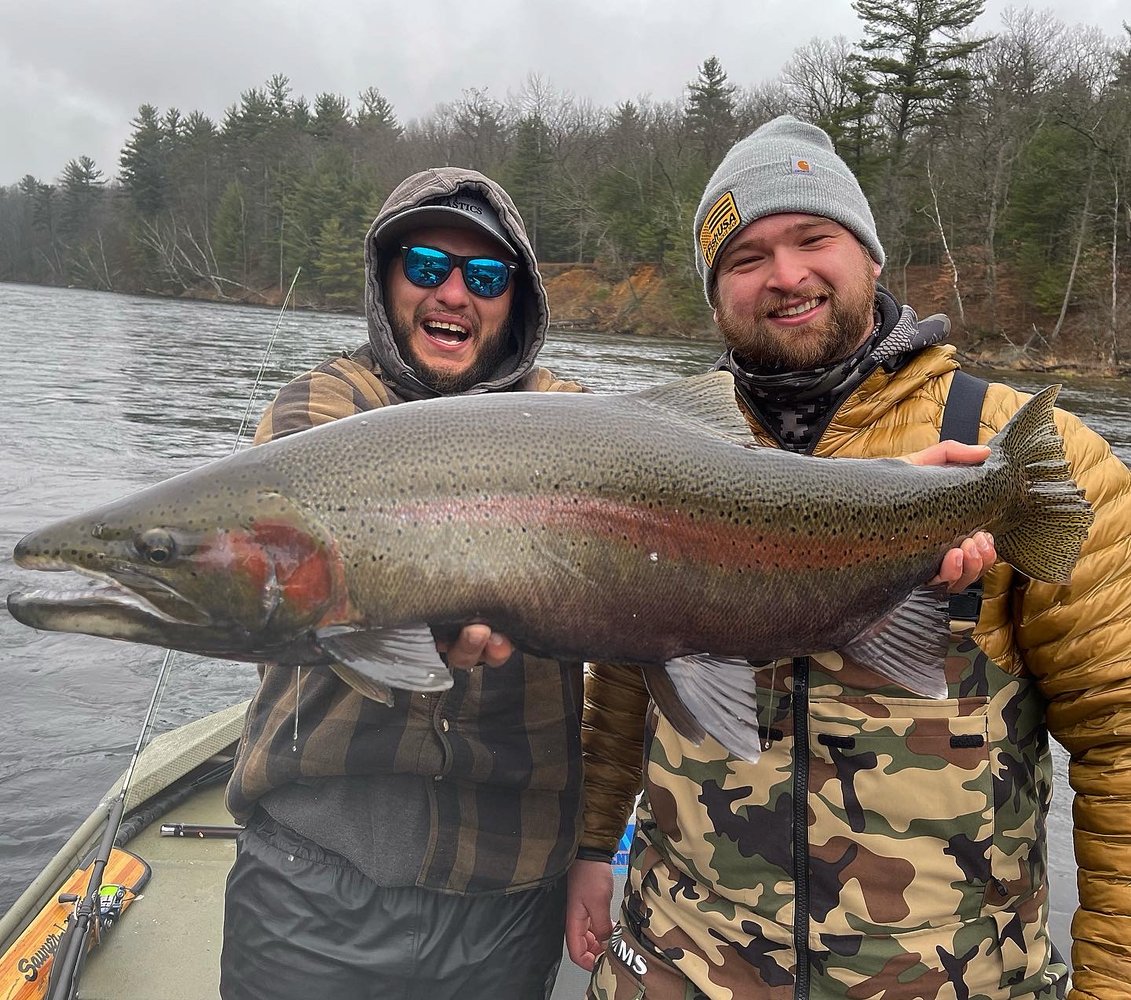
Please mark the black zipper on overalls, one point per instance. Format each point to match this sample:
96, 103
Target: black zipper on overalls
800, 712
801, 825
801, 665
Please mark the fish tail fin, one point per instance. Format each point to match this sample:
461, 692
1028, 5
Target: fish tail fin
1045, 542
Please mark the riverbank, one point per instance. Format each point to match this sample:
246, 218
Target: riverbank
644, 300
643, 303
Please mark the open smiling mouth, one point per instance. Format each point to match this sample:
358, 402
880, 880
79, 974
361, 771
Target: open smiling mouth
800, 309
447, 334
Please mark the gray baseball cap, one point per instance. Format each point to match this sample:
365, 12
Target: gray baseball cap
462, 210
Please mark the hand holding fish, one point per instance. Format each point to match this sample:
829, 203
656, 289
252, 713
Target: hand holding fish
963, 565
475, 645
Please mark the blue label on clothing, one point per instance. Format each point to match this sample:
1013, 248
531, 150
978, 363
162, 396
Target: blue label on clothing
620, 859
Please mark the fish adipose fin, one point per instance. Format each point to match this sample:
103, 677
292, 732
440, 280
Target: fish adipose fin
705, 400
373, 660
909, 645
701, 695
1045, 543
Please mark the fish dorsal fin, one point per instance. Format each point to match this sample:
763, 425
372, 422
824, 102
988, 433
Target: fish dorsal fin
706, 400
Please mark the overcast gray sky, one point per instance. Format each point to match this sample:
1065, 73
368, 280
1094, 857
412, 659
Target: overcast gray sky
73, 72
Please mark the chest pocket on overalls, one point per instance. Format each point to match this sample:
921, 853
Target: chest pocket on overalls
901, 816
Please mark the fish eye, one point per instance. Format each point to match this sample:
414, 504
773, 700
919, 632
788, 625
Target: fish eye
156, 546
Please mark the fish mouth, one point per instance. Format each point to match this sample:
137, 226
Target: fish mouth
123, 597
117, 611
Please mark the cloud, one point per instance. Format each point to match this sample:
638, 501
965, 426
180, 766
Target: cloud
73, 73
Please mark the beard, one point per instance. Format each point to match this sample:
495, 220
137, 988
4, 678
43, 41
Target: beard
493, 348
757, 341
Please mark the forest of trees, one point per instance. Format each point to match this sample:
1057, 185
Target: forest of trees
997, 164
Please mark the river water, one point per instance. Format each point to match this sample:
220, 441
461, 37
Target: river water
104, 394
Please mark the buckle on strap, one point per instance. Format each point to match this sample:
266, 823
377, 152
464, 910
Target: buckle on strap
967, 605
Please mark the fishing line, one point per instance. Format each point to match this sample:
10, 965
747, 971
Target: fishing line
298, 694
63, 978
163, 674
263, 363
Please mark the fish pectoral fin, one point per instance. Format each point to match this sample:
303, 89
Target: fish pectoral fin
363, 686
702, 694
909, 645
402, 657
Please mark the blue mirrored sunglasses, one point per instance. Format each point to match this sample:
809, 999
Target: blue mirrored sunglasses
428, 267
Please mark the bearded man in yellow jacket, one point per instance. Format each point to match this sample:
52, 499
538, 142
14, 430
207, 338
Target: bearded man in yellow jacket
883, 845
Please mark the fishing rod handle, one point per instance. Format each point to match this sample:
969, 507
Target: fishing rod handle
199, 830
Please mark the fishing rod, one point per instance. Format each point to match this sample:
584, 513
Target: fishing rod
87, 917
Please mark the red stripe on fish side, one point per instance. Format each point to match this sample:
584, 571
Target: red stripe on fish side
686, 535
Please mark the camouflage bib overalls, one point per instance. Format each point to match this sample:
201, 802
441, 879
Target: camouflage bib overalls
884, 846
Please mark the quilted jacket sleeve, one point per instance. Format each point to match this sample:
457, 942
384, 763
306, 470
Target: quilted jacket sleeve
612, 740
1076, 639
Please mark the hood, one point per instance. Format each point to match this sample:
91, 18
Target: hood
902, 334
530, 325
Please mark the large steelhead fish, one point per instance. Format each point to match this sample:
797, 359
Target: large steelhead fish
643, 527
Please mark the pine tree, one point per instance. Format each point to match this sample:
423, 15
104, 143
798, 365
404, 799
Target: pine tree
82, 184
710, 111
230, 234
143, 163
331, 116
44, 219
251, 118
376, 113
527, 176
915, 54
279, 95
338, 262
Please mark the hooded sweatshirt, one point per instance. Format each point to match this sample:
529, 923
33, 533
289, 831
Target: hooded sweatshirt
474, 789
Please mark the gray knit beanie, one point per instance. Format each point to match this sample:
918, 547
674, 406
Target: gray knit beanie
786, 165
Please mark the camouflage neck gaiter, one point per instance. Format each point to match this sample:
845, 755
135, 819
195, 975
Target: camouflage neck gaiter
793, 404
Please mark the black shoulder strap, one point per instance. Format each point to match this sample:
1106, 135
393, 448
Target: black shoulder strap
963, 411
961, 418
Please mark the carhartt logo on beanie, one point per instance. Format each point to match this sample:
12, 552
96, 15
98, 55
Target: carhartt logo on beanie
787, 165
